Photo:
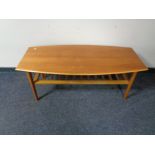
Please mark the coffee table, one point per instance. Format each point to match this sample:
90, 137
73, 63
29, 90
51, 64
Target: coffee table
80, 64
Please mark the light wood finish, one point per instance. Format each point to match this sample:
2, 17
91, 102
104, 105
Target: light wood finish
80, 60
132, 79
36, 77
32, 84
81, 64
82, 82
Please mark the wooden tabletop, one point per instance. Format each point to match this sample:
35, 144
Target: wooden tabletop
80, 60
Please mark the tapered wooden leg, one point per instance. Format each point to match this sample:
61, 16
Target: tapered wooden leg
32, 84
131, 81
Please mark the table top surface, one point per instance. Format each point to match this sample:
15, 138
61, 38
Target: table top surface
80, 60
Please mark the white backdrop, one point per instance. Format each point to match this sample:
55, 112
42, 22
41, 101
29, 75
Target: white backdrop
17, 35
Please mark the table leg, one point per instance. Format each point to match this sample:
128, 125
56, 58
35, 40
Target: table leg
32, 84
131, 81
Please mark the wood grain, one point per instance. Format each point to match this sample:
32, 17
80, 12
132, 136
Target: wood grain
81, 60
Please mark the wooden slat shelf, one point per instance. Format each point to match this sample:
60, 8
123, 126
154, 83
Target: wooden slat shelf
64, 79
82, 82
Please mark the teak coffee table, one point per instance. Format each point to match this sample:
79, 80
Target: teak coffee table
81, 64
